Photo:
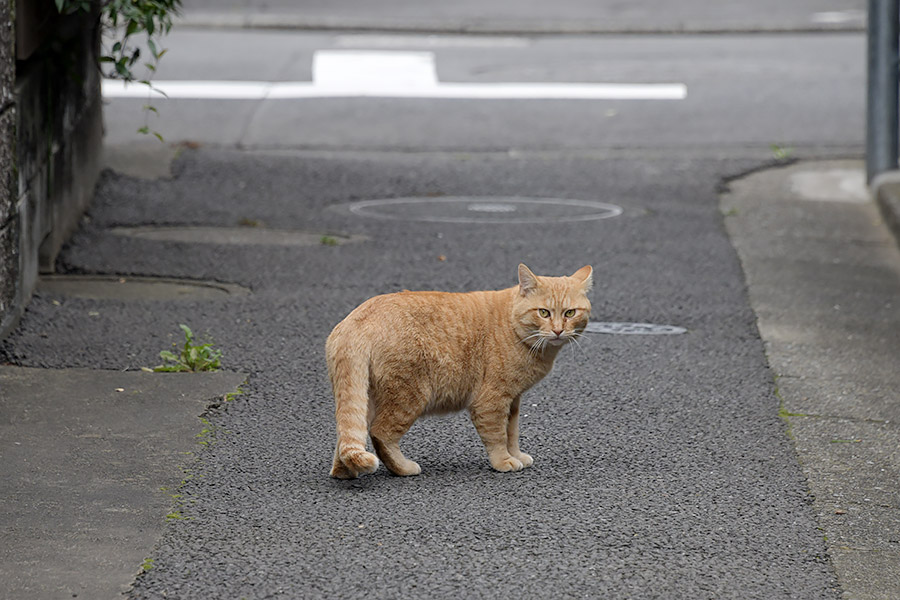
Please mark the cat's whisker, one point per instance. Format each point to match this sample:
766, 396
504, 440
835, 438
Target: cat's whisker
577, 342
533, 335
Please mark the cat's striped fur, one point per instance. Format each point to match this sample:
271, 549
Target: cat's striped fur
400, 356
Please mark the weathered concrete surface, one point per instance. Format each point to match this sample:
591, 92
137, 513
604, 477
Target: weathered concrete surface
51, 133
886, 188
89, 462
824, 280
9, 240
144, 159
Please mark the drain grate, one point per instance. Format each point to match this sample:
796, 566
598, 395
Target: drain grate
113, 287
485, 209
633, 328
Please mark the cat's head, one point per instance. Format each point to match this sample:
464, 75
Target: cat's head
551, 311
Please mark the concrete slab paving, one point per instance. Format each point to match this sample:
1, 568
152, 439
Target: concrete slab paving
90, 462
823, 278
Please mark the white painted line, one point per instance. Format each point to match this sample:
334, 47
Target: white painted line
362, 74
429, 41
562, 91
204, 90
839, 16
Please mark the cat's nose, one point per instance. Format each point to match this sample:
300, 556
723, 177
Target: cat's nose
558, 332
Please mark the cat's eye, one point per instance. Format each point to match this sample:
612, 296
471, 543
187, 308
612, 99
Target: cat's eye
570, 313
544, 313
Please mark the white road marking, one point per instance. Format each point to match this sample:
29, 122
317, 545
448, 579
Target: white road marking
379, 74
428, 41
361, 72
834, 17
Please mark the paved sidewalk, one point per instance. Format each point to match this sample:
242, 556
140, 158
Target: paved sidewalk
90, 464
824, 279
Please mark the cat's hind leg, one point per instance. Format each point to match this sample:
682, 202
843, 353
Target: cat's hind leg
339, 469
397, 409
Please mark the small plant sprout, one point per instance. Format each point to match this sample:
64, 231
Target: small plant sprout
328, 240
192, 358
781, 152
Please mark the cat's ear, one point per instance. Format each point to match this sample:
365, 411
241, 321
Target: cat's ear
528, 281
586, 276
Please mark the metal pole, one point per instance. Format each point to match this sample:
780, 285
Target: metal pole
882, 102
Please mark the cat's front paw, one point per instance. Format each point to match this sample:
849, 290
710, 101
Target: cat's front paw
525, 459
505, 465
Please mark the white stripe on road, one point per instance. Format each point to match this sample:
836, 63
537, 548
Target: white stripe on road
367, 74
429, 41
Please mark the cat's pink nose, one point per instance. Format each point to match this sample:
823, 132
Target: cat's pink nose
558, 332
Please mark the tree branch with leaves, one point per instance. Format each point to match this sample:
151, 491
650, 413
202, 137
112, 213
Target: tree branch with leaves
120, 22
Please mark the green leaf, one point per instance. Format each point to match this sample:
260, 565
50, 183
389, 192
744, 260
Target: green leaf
166, 355
60, 4
122, 70
152, 47
158, 136
145, 130
188, 334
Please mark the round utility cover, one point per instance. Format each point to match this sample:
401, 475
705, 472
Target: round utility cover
114, 287
237, 236
633, 328
485, 209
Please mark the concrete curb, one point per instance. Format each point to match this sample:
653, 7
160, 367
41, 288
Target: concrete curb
299, 22
886, 191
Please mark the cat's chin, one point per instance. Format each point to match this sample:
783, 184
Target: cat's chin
557, 342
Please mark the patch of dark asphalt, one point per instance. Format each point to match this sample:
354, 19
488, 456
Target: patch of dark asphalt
661, 466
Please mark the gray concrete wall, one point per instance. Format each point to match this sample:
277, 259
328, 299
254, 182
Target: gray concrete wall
50, 153
9, 238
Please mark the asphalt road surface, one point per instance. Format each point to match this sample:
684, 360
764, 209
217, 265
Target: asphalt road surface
662, 469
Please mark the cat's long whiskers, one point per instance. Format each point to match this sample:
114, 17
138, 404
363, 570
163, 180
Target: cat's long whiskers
577, 342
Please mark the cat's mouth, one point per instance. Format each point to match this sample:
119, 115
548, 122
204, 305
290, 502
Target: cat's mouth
557, 341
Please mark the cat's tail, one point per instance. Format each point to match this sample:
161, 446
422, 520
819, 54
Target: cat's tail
348, 368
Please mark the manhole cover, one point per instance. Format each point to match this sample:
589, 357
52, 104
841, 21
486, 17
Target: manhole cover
111, 287
468, 209
633, 328
256, 236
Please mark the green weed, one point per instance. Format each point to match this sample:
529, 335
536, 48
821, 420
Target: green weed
781, 152
192, 358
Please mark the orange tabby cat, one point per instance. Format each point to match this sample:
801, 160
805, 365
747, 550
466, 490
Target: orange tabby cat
400, 356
